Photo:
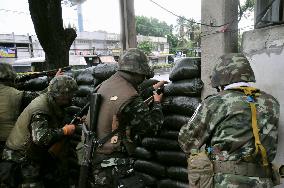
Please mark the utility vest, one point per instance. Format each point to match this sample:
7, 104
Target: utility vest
20, 137
10, 103
116, 92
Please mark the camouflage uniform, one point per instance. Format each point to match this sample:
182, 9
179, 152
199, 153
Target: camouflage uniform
224, 123
36, 130
109, 170
12, 102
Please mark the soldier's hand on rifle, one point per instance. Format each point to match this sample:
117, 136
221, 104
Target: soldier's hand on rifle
157, 97
69, 129
59, 72
160, 84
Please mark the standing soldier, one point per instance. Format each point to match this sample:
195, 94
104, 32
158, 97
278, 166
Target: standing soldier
238, 127
11, 102
122, 107
38, 127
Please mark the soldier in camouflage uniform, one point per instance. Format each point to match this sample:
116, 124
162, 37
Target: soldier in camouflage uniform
122, 107
240, 142
12, 102
38, 127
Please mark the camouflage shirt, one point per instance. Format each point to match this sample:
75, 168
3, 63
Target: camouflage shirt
141, 118
223, 122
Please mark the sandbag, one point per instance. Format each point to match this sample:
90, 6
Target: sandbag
182, 105
172, 158
160, 144
84, 90
142, 153
147, 179
169, 134
151, 168
85, 77
185, 68
175, 121
35, 84
168, 183
104, 71
178, 173
80, 101
191, 87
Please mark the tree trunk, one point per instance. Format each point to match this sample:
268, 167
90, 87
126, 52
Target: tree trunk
54, 39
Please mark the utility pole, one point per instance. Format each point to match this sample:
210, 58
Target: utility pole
217, 41
127, 24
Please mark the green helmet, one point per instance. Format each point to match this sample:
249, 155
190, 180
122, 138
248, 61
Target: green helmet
62, 86
135, 61
7, 72
232, 68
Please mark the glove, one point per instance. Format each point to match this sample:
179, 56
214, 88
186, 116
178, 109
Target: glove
68, 129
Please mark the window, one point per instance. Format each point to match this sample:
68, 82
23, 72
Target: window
268, 12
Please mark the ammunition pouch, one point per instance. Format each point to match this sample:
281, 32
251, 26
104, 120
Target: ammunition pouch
131, 181
200, 171
276, 174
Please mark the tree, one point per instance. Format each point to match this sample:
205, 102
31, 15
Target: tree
146, 46
54, 39
152, 27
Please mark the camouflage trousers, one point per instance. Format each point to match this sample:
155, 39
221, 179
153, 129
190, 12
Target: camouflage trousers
114, 172
238, 181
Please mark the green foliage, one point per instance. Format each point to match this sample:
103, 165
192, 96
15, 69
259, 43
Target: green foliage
173, 42
146, 47
152, 27
248, 6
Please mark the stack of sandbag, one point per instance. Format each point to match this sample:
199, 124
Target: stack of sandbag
161, 163
88, 79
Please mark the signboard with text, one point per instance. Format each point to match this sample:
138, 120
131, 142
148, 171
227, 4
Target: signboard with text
7, 52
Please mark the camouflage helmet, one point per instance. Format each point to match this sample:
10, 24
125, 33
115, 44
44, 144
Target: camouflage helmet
135, 61
232, 68
7, 72
62, 86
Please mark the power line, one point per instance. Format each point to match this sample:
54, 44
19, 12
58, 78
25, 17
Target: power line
14, 11
181, 17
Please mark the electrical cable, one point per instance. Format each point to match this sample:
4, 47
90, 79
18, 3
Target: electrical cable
209, 25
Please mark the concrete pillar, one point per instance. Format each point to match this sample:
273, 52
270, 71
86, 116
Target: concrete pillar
127, 24
216, 41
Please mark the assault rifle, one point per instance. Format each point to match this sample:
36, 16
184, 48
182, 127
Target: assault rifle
158, 91
56, 148
31, 75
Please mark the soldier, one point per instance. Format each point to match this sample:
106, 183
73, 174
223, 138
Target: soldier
38, 127
12, 102
238, 127
122, 107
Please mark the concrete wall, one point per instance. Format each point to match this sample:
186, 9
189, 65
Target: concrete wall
214, 42
264, 49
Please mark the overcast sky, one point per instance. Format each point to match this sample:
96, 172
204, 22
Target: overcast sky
99, 14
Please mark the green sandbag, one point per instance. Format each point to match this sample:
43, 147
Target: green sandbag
185, 68
190, 87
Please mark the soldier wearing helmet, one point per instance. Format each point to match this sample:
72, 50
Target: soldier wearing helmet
38, 127
12, 102
238, 127
123, 107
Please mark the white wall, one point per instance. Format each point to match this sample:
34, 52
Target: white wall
264, 49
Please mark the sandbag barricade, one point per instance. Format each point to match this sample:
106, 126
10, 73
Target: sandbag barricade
181, 98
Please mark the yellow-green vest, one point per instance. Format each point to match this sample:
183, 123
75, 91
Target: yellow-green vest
20, 138
10, 103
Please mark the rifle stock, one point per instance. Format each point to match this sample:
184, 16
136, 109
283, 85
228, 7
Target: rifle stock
89, 143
